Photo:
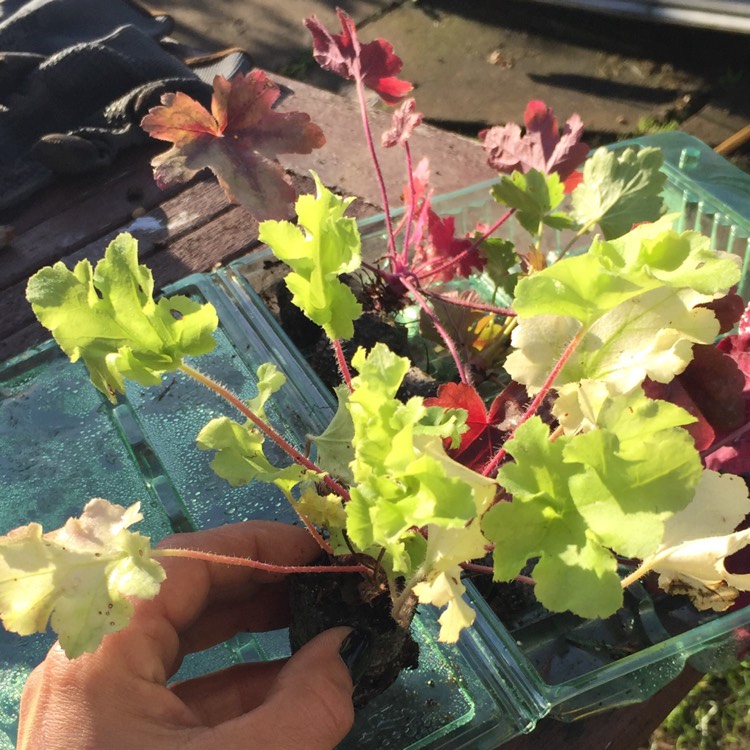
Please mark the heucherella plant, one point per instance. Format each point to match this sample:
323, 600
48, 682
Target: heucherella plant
600, 449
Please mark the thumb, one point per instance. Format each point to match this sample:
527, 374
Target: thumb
310, 702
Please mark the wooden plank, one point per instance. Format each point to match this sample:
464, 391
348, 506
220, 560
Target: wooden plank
66, 191
21, 339
84, 221
227, 237
195, 206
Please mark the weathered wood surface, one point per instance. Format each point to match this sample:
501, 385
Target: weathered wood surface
194, 229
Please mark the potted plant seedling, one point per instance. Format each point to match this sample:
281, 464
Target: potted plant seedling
591, 434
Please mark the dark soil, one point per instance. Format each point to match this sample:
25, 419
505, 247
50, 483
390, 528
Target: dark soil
325, 600
372, 327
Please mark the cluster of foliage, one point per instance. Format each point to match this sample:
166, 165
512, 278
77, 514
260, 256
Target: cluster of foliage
612, 436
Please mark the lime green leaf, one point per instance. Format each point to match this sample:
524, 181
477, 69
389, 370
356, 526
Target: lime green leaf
380, 371
640, 467
334, 445
647, 336
325, 511
239, 455
579, 287
539, 470
404, 479
581, 578
654, 254
542, 507
620, 189
107, 316
535, 196
78, 577
576, 569
325, 245
698, 540
650, 256
635, 304
270, 380
449, 546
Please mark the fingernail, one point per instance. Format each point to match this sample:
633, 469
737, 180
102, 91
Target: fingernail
355, 653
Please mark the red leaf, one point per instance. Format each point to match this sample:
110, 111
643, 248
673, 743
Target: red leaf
738, 348
374, 63
238, 140
728, 311
701, 431
542, 147
487, 428
715, 388
405, 119
440, 255
572, 181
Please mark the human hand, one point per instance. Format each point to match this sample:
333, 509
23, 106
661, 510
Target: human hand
117, 698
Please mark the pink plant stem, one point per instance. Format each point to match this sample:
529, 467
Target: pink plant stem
487, 570
493, 228
539, 398
343, 364
212, 557
314, 533
447, 340
265, 428
376, 167
471, 305
476, 568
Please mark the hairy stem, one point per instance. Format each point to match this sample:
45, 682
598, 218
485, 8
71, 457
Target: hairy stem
470, 304
346, 374
265, 428
539, 398
447, 340
212, 557
638, 573
376, 167
577, 236
488, 571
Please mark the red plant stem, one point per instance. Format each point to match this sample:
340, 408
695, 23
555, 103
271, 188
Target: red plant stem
447, 340
471, 305
343, 364
376, 167
322, 543
487, 570
493, 228
539, 398
265, 428
476, 568
425, 269
212, 557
